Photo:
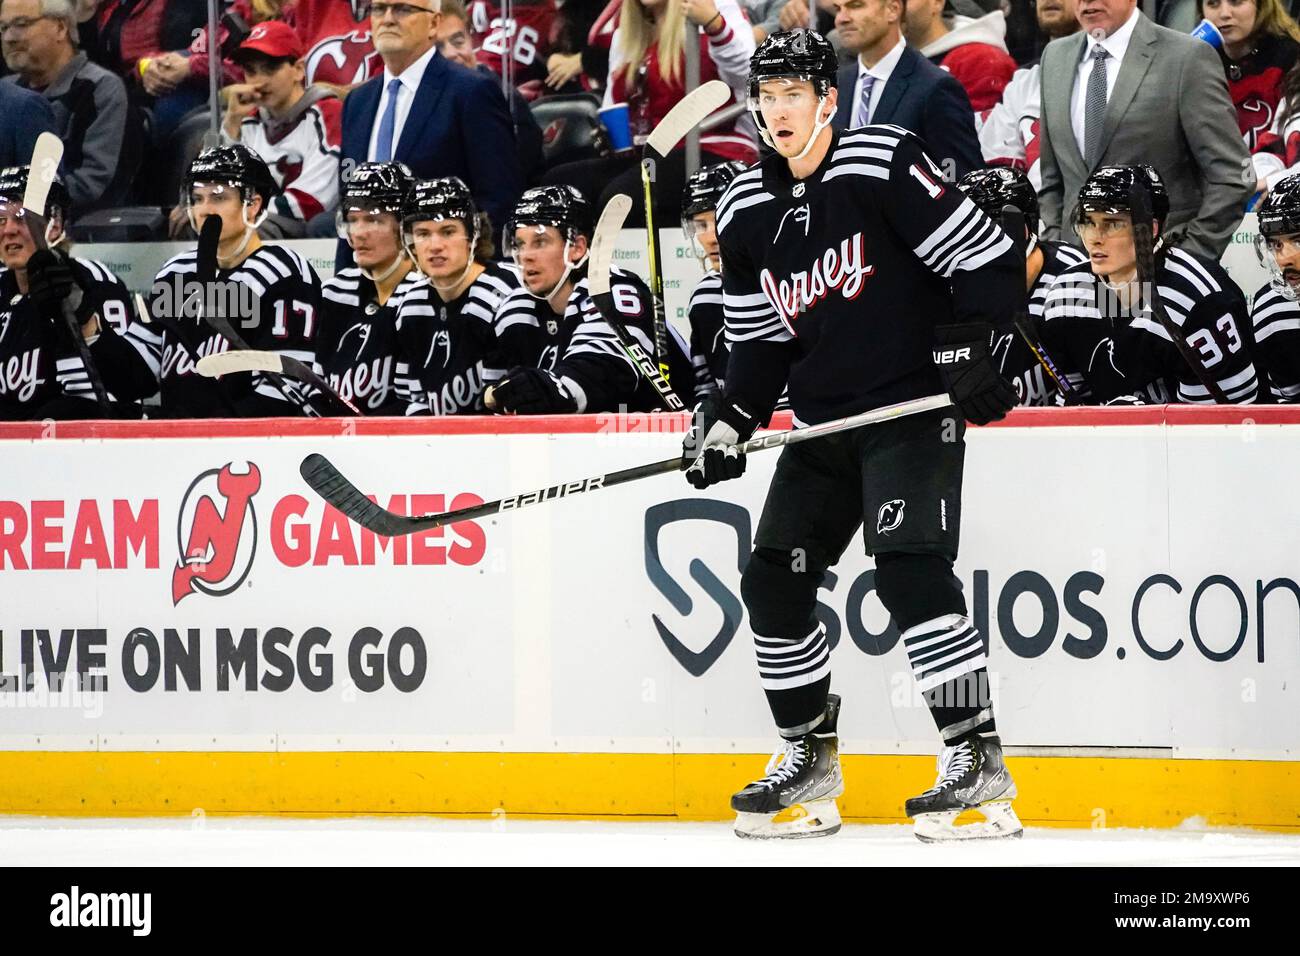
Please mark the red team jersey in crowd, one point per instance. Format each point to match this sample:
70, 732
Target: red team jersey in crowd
336, 34
302, 152
528, 34
1009, 134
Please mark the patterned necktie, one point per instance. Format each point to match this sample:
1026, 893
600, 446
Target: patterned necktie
1094, 107
864, 101
384, 144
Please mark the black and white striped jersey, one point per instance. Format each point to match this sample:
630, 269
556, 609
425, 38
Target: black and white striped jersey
356, 343
446, 346
837, 282
1107, 350
1276, 321
40, 362
584, 351
272, 301
1010, 353
709, 350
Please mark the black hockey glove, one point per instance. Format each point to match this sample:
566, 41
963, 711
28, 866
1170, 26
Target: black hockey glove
719, 425
51, 282
975, 385
533, 391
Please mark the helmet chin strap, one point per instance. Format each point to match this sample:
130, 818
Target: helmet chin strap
473, 243
392, 267
818, 126
568, 270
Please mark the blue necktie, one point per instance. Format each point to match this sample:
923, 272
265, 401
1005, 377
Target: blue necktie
384, 145
864, 100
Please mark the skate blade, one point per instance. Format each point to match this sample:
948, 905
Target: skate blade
817, 818
1000, 822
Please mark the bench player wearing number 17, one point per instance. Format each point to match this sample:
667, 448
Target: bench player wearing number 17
853, 272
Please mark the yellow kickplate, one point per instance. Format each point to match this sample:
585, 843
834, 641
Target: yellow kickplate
1054, 791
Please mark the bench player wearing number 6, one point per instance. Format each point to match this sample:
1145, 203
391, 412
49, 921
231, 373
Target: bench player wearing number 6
853, 272
1104, 336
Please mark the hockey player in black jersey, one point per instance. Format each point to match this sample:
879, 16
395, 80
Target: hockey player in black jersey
1275, 310
558, 354
1098, 324
269, 294
42, 373
704, 313
356, 349
994, 189
853, 272
445, 323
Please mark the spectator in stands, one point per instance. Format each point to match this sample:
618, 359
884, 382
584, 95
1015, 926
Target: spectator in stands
1009, 134
455, 44
576, 63
146, 42
336, 34
1143, 94
91, 114
971, 46
435, 116
1259, 47
527, 34
242, 17
647, 72
890, 82
293, 128
26, 116
794, 14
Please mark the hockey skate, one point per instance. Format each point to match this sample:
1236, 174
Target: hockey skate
797, 797
972, 776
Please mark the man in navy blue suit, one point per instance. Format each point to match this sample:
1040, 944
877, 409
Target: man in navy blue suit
889, 82
26, 116
435, 116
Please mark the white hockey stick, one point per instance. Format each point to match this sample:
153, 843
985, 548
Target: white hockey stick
672, 129
44, 167
598, 284
251, 360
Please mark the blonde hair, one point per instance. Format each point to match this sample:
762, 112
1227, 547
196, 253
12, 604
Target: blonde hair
1270, 18
637, 32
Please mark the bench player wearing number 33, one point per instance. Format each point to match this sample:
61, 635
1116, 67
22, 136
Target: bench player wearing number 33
853, 272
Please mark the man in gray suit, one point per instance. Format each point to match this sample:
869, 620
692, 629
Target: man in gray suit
1127, 91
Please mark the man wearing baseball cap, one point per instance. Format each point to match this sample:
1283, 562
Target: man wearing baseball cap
294, 129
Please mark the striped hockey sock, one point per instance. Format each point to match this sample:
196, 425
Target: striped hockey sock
950, 664
796, 676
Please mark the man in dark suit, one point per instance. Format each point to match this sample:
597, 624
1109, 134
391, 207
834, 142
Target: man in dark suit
437, 117
26, 116
889, 82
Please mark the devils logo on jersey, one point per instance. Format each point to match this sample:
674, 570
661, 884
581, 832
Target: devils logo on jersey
344, 60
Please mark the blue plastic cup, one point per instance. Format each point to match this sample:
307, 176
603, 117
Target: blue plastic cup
618, 124
1207, 31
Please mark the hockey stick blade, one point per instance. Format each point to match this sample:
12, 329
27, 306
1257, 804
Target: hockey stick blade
328, 482
687, 114
251, 360
44, 166
598, 284
602, 242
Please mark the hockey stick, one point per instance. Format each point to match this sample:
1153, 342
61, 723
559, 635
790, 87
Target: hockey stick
206, 273
1013, 224
1144, 245
672, 129
598, 284
251, 360
329, 483
46, 156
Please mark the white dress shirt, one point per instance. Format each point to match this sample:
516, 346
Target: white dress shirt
410, 79
881, 72
1116, 44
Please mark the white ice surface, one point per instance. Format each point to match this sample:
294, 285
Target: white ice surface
252, 841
